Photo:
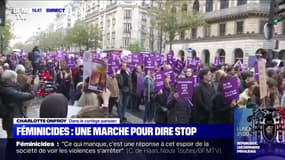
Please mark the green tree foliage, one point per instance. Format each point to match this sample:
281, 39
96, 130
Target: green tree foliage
84, 35
135, 47
8, 34
168, 17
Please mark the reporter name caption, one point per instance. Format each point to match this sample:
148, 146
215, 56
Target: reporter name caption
90, 128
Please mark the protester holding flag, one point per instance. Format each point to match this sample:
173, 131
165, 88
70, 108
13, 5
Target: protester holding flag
202, 97
125, 84
149, 97
64, 82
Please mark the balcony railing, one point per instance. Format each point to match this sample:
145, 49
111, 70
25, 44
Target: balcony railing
251, 7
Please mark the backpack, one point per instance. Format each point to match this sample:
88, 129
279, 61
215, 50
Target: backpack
31, 56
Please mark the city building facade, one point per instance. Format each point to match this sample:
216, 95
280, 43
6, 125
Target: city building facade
123, 22
234, 30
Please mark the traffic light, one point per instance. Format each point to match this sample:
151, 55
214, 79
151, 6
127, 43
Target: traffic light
277, 11
2, 12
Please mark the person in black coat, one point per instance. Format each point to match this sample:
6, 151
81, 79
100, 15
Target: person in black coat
222, 111
12, 100
202, 97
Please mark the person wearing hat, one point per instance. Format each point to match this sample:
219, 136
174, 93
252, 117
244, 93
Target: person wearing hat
246, 78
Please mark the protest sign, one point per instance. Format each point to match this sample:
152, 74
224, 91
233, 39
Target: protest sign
159, 81
230, 89
98, 75
169, 58
185, 87
262, 79
196, 80
149, 64
87, 60
179, 65
251, 61
113, 62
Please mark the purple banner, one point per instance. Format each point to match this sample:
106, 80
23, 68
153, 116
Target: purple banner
136, 59
217, 61
179, 65
230, 89
251, 61
140, 84
159, 81
185, 87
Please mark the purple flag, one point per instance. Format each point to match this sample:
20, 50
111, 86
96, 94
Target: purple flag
185, 87
159, 81
230, 89
217, 61
251, 61
179, 65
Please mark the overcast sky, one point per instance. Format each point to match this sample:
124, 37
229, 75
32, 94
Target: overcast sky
25, 29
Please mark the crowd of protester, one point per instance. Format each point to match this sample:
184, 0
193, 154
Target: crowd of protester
131, 89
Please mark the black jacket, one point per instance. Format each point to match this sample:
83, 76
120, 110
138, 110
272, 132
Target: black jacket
12, 102
202, 100
222, 112
178, 110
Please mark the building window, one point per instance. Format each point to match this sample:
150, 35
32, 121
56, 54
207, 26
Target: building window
184, 8
194, 33
207, 31
206, 54
222, 29
222, 55
209, 5
196, 6
241, 2
127, 27
283, 28
128, 14
224, 4
182, 35
261, 26
238, 54
126, 42
239, 27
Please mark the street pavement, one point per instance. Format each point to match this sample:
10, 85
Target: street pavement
34, 108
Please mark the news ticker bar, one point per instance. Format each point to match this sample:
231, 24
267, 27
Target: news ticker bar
83, 128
